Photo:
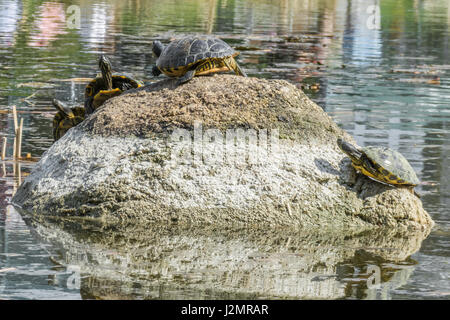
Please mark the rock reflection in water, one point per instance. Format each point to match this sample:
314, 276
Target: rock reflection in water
172, 262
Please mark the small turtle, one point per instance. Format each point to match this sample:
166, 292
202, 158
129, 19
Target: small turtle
191, 56
382, 164
106, 86
65, 118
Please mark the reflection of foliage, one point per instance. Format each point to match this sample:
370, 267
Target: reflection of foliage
155, 16
400, 18
38, 63
408, 20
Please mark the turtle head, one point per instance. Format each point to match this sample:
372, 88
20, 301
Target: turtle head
104, 64
354, 154
106, 69
157, 48
61, 107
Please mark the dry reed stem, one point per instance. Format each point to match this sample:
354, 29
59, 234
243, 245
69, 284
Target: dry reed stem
4, 148
19, 140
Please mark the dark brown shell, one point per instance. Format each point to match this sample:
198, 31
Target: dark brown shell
187, 51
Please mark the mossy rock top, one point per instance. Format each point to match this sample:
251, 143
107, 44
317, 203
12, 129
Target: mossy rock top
221, 102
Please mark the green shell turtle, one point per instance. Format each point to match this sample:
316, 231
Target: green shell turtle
65, 118
382, 164
106, 86
190, 56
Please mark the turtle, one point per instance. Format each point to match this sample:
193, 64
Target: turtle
381, 164
65, 118
190, 56
106, 86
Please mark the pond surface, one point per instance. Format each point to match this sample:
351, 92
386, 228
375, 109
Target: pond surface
380, 69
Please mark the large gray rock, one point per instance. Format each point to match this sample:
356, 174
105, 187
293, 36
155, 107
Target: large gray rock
168, 154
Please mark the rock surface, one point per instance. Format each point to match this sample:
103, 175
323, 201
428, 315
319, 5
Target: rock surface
218, 150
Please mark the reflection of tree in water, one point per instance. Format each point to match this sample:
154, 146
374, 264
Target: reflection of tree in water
418, 32
10, 12
224, 19
49, 24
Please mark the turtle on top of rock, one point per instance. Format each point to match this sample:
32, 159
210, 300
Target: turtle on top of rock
106, 86
190, 56
65, 118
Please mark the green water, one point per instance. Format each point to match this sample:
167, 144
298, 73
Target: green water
385, 79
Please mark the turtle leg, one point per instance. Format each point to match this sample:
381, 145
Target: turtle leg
104, 95
56, 121
233, 65
155, 71
186, 77
88, 105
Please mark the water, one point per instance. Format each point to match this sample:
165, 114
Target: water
381, 69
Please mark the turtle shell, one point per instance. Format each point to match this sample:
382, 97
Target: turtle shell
392, 166
95, 94
183, 53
